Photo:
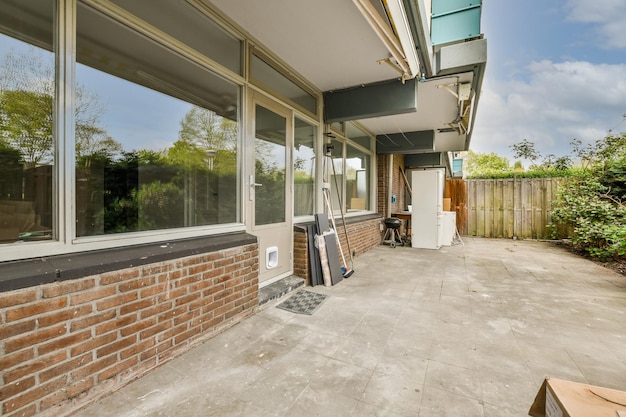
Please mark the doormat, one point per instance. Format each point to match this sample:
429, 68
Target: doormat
303, 302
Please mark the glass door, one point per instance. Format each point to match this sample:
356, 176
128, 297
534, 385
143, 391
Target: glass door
270, 188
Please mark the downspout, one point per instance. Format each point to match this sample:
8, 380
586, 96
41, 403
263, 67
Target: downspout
390, 185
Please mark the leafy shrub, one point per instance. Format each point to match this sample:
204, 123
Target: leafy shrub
592, 203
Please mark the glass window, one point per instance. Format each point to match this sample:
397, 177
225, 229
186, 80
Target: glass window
27, 142
270, 145
280, 84
156, 135
358, 165
336, 174
304, 168
338, 126
358, 136
196, 30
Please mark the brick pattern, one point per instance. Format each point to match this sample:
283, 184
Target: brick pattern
363, 236
301, 255
67, 343
397, 184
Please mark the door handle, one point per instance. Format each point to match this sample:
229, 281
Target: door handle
253, 186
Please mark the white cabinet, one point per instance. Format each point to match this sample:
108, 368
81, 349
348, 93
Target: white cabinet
448, 228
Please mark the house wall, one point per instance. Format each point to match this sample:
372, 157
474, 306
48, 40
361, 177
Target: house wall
364, 233
397, 184
64, 344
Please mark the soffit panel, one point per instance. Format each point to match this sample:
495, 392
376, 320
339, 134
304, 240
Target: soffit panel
328, 42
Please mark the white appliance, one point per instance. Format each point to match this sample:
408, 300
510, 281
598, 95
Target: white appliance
427, 210
448, 227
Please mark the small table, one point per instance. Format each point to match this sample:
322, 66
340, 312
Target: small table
405, 215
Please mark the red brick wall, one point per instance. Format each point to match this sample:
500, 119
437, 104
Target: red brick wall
397, 184
363, 235
65, 344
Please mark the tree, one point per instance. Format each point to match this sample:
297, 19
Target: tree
27, 88
206, 139
526, 150
485, 164
592, 204
27, 124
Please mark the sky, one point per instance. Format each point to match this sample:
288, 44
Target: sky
556, 71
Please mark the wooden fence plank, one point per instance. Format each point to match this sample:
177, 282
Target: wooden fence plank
505, 207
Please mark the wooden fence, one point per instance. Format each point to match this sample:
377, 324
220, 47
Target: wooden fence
503, 208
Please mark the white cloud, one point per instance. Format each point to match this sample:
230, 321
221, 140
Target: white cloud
557, 103
608, 15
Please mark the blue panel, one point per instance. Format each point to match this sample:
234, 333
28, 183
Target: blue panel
455, 20
448, 6
457, 165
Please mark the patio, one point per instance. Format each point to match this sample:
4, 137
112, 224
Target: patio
467, 330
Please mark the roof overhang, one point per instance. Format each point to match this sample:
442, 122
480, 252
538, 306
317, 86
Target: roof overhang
342, 46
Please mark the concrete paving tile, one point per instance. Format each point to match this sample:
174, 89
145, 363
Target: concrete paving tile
115, 404
456, 379
291, 333
414, 340
204, 404
321, 343
340, 378
274, 393
513, 390
454, 353
444, 403
397, 392
316, 403
359, 353
543, 361
505, 410
601, 368
363, 409
502, 357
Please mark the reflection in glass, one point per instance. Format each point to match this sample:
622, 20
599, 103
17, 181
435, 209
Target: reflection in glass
357, 179
270, 168
198, 30
154, 150
358, 136
27, 95
304, 168
278, 83
336, 175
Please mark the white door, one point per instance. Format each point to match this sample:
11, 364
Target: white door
269, 187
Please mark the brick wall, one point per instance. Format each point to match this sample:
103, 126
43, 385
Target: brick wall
65, 344
397, 184
364, 235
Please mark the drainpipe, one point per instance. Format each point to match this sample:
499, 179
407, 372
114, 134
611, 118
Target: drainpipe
390, 186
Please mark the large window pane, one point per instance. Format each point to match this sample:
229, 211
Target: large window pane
196, 30
304, 168
358, 136
336, 175
278, 83
27, 95
358, 165
270, 167
156, 135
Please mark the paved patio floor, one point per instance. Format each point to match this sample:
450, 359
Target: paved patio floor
470, 330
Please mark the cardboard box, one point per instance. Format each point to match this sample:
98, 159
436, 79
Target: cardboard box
446, 204
559, 398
